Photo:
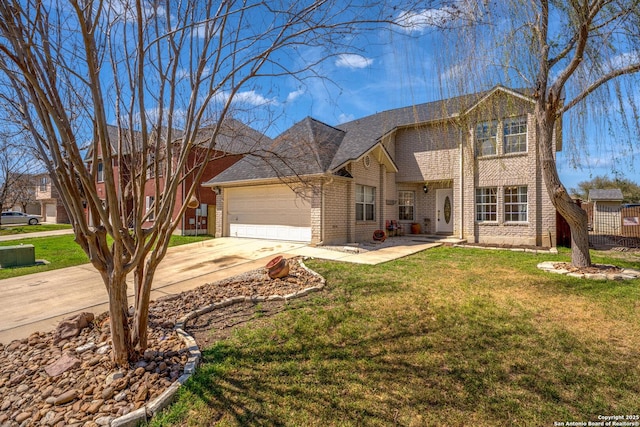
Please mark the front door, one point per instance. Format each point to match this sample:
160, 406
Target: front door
444, 214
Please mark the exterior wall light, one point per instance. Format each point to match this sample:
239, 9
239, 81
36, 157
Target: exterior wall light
425, 189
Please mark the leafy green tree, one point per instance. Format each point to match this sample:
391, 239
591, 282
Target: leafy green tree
630, 190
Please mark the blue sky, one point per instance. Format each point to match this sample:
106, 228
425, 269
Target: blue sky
379, 80
398, 70
389, 70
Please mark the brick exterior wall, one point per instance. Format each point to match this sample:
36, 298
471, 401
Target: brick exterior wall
338, 212
372, 176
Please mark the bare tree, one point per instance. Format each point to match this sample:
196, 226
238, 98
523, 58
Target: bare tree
580, 59
23, 192
16, 185
73, 68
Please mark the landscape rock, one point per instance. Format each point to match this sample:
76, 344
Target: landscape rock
66, 397
62, 365
71, 326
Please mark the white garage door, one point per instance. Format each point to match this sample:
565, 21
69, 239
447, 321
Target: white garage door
50, 213
268, 212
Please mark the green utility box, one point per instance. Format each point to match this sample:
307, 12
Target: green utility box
17, 256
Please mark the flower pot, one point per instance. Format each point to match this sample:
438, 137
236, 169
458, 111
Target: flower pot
415, 228
278, 267
379, 236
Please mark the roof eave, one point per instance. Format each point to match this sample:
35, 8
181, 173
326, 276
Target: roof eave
263, 181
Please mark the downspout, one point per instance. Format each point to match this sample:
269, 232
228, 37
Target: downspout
322, 209
461, 184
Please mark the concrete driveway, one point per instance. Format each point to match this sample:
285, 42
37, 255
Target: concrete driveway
38, 302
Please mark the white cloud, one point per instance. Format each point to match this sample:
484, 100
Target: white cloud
624, 60
183, 73
294, 95
353, 61
249, 97
344, 118
125, 10
454, 73
421, 20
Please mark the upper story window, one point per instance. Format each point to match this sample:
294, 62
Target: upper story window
44, 183
486, 133
100, 174
515, 135
406, 203
365, 203
151, 166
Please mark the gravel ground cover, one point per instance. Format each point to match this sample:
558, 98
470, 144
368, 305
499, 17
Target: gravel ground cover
90, 390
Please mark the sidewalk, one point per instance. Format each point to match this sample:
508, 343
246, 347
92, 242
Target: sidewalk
36, 234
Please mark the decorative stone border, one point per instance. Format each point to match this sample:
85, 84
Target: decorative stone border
625, 274
148, 411
497, 248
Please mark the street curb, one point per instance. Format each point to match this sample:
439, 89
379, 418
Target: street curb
148, 411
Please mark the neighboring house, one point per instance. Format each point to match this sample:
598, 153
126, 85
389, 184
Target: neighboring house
465, 166
605, 210
51, 208
233, 140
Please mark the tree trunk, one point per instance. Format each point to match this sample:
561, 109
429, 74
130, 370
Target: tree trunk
575, 216
142, 279
119, 323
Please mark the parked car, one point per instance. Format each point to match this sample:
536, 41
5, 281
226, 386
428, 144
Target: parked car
11, 217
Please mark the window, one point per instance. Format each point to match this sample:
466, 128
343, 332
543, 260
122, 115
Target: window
515, 135
151, 207
515, 204
43, 183
486, 138
365, 203
487, 204
100, 175
406, 202
151, 166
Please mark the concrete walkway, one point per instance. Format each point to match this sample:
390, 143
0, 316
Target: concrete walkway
38, 302
23, 236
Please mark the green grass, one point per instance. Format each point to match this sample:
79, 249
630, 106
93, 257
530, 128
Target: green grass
7, 230
454, 337
63, 251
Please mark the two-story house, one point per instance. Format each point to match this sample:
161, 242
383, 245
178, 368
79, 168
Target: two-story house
233, 140
52, 209
465, 166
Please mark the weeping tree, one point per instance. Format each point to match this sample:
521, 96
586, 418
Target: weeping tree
580, 59
138, 81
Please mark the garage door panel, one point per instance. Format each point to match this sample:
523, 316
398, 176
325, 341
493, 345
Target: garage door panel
268, 212
50, 213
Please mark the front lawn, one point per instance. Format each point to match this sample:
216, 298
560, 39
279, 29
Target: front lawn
454, 337
63, 251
